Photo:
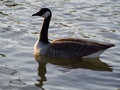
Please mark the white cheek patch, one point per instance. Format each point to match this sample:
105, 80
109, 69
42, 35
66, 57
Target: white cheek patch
46, 14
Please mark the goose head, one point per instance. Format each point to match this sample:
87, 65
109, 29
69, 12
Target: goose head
44, 12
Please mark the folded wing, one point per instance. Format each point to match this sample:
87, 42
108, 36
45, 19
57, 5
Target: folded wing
74, 48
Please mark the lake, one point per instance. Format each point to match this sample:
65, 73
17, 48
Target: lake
87, 19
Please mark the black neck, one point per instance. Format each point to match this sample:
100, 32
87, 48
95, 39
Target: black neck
44, 31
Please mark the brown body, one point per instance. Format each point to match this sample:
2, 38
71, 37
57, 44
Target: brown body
75, 48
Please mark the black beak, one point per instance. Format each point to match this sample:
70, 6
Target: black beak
33, 15
36, 14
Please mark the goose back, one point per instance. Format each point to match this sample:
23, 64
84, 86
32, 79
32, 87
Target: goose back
74, 48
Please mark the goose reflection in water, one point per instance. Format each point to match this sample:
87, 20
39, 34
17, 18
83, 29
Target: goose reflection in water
94, 64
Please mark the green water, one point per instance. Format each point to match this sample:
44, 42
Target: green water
88, 19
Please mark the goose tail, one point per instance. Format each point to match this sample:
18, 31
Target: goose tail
109, 45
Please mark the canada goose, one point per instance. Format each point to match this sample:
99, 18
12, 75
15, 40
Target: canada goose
65, 48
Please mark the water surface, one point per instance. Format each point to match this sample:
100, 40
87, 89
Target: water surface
87, 19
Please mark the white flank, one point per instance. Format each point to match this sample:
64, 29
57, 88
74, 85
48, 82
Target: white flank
46, 14
94, 55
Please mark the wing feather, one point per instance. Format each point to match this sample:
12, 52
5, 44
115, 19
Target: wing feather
73, 48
